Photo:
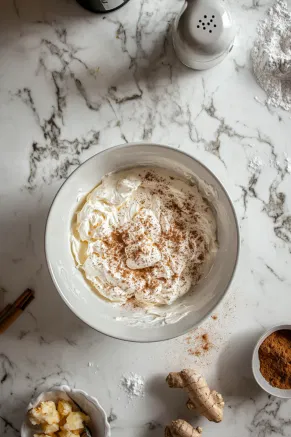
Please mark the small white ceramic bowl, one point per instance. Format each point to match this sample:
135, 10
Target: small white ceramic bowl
278, 392
113, 320
99, 425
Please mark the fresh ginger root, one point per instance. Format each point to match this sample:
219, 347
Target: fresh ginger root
181, 428
208, 403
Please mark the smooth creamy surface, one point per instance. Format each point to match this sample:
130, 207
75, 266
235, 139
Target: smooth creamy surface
145, 235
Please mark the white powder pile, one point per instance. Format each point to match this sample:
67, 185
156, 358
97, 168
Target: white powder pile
271, 55
255, 163
288, 163
133, 384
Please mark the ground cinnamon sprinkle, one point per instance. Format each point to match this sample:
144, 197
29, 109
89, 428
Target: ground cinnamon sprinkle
275, 359
204, 344
196, 352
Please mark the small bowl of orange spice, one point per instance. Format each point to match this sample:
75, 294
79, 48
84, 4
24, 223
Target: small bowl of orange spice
272, 361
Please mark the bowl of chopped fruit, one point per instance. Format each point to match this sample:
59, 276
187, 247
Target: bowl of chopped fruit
65, 412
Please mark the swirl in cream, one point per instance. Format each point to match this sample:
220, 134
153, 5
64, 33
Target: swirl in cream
146, 234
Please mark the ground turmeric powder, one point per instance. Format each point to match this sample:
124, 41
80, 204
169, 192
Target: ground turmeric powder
275, 359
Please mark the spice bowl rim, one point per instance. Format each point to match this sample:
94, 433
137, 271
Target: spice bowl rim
262, 382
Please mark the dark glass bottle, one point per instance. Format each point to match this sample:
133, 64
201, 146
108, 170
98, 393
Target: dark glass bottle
102, 6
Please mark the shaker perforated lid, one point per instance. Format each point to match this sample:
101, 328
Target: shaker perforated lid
203, 33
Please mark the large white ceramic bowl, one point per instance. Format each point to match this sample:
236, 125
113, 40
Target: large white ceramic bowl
114, 320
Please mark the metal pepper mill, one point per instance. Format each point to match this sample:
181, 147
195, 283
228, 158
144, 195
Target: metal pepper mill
102, 6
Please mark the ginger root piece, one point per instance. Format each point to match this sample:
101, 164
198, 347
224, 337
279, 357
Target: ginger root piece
208, 403
181, 428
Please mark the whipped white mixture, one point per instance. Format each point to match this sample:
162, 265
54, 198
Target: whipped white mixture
144, 235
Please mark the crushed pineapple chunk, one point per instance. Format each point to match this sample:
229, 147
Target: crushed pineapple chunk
44, 435
75, 421
46, 412
64, 407
67, 433
50, 429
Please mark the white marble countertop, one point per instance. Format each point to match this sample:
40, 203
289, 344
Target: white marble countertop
73, 83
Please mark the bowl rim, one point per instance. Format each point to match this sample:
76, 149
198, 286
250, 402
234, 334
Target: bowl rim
125, 337
268, 388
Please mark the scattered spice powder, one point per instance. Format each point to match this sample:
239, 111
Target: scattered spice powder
275, 359
206, 346
203, 344
197, 352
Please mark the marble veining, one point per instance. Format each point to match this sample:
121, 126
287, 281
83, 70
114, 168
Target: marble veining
73, 83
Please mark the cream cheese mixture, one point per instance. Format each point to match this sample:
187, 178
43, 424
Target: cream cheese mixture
144, 235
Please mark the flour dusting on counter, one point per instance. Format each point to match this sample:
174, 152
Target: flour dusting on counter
271, 55
133, 385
